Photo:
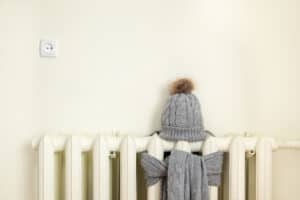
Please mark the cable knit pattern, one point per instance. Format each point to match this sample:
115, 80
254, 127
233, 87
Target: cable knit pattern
181, 119
184, 176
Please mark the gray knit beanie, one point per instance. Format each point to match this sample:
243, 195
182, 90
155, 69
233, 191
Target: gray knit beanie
181, 117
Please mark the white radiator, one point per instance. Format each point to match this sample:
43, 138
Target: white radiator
128, 147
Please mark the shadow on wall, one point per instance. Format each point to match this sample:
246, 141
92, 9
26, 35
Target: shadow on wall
156, 113
30, 179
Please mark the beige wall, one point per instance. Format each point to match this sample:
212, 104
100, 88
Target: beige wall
116, 58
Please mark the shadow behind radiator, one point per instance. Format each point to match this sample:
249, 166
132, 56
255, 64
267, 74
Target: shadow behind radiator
87, 177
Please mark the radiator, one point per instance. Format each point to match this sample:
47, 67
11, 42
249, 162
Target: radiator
102, 146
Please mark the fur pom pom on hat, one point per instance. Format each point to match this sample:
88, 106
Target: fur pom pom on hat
183, 85
181, 118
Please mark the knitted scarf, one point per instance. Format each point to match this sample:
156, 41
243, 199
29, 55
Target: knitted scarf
184, 176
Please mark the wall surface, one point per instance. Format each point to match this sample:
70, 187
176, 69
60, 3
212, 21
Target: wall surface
116, 59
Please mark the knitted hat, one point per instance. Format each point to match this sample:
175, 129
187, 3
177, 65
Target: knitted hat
181, 118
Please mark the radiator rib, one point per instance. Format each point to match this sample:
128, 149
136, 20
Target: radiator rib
128, 169
210, 146
46, 169
264, 169
73, 169
101, 170
237, 169
155, 149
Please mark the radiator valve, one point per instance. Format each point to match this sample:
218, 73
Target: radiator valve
113, 155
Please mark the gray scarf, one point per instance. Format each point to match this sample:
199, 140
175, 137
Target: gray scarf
184, 176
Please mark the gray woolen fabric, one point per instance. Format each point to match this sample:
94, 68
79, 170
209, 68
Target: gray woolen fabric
181, 119
184, 176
